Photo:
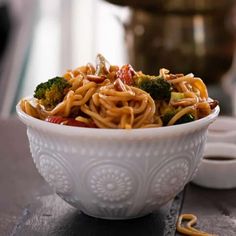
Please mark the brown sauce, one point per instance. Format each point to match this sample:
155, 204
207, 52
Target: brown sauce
215, 158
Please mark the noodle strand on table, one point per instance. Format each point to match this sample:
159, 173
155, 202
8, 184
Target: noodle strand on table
189, 229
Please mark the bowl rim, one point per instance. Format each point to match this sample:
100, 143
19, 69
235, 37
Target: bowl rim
33, 122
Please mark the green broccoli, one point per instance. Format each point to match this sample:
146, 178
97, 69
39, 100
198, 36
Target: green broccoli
171, 112
156, 86
52, 92
176, 96
185, 119
167, 116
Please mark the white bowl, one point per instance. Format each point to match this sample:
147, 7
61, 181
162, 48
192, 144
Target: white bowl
218, 167
117, 174
223, 130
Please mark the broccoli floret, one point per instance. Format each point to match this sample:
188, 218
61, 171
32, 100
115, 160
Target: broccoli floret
171, 112
175, 96
167, 116
156, 86
185, 119
52, 92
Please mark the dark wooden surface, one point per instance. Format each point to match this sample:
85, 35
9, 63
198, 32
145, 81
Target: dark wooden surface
29, 207
19, 180
50, 215
216, 209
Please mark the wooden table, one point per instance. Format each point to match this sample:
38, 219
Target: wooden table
28, 207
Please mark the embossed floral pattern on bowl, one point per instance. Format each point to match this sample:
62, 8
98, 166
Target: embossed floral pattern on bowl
117, 174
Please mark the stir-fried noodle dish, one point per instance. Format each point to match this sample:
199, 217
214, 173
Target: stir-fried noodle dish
109, 96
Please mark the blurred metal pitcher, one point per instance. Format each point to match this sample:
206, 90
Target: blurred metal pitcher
181, 35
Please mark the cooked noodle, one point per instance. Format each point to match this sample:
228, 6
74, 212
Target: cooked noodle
109, 102
189, 229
